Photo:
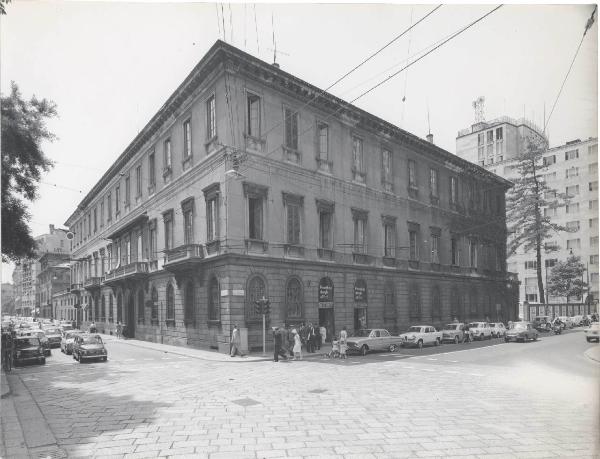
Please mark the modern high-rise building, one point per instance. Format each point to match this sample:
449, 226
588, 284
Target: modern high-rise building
251, 183
572, 169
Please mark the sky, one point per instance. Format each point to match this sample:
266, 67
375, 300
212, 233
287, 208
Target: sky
109, 66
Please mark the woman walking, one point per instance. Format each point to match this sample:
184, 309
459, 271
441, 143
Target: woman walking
343, 345
297, 346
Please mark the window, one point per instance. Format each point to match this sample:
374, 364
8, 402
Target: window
573, 244
170, 297
573, 225
154, 309
214, 300
593, 222
453, 191
549, 160
499, 139
572, 190
436, 302
389, 235
138, 181
531, 297
550, 194
550, 262
110, 308
572, 172
167, 158
571, 208
95, 219
188, 298
480, 145
211, 219
152, 248
211, 126
594, 241
255, 291
573, 154
551, 245
593, 150
293, 207
102, 308
188, 222
360, 229
108, 208
253, 116
386, 169
151, 172
435, 245
101, 214
412, 174
187, 139
168, 222
293, 299
593, 259
593, 204
357, 160
593, 169
593, 186
323, 141
389, 303
473, 252
119, 308
433, 183
413, 243
89, 221
291, 129
531, 264
140, 306
490, 136
455, 251
255, 218
473, 302
414, 298
127, 191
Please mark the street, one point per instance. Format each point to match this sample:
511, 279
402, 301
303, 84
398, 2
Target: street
492, 399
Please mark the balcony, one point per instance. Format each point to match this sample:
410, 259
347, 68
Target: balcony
76, 288
92, 283
360, 258
184, 257
132, 272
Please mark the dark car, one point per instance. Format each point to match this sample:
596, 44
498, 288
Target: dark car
45, 342
521, 331
54, 335
28, 349
88, 347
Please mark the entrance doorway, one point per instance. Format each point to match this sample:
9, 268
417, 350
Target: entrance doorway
326, 320
360, 318
131, 317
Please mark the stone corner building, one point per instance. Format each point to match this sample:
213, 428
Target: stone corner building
251, 182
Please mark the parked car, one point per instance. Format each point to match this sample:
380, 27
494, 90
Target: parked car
542, 323
86, 347
567, 322
480, 330
498, 329
377, 339
65, 327
421, 335
592, 333
521, 331
66, 344
54, 335
45, 342
28, 349
576, 320
456, 332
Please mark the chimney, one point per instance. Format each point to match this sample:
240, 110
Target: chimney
51, 229
430, 137
276, 65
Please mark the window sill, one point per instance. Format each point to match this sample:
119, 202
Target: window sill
254, 143
291, 155
389, 261
211, 144
413, 264
213, 247
167, 171
294, 250
187, 162
213, 323
413, 191
256, 245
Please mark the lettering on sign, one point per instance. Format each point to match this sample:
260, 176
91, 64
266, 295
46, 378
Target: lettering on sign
224, 292
325, 291
360, 291
239, 293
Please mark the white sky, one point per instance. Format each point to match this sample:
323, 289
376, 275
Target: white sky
110, 65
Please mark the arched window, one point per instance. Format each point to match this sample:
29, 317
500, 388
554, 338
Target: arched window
111, 316
455, 308
294, 299
188, 305
214, 300
140, 306
103, 308
256, 290
119, 308
154, 298
436, 303
389, 302
170, 302
473, 302
414, 298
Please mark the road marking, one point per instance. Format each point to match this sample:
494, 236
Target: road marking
431, 359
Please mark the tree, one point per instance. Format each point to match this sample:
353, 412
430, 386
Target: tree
566, 278
23, 162
526, 201
2, 6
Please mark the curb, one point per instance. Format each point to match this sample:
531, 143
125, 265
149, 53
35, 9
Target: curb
593, 353
4, 386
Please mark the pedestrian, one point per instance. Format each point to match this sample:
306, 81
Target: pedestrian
236, 342
297, 345
119, 329
302, 332
92, 327
318, 338
343, 345
323, 334
277, 344
310, 338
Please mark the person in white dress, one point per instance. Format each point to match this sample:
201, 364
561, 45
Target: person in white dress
297, 346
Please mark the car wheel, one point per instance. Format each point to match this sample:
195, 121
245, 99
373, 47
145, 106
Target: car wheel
525, 339
420, 344
393, 348
456, 340
44, 361
364, 350
506, 340
588, 340
535, 337
105, 359
481, 337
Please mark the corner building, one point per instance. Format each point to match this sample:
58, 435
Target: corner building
251, 182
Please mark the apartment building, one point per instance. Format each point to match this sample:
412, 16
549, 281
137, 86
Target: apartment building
571, 169
250, 182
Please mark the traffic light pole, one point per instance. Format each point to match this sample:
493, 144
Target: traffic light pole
264, 333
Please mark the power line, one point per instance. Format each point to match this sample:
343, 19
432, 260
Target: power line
256, 28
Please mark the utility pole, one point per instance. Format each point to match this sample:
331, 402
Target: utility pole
263, 307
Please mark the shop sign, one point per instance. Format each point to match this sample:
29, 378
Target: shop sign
360, 291
325, 291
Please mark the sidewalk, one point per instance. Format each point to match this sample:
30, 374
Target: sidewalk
206, 354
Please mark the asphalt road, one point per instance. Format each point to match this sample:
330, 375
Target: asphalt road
482, 399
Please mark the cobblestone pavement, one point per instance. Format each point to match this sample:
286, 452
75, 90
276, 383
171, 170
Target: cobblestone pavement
145, 403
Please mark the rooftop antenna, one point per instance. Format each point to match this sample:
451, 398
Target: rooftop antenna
479, 106
274, 41
428, 123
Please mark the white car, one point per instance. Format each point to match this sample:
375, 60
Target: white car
498, 329
66, 344
421, 335
480, 330
592, 333
566, 321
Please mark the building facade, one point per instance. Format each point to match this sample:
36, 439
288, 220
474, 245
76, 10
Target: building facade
8, 299
54, 276
250, 182
571, 169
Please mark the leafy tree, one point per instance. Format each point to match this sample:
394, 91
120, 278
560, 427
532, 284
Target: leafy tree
566, 278
23, 162
2, 6
525, 203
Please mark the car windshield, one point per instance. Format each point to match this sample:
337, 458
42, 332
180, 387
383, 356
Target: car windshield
451, 327
27, 342
92, 340
518, 326
71, 335
474, 325
52, 331
363, 333
595, 326
414, 329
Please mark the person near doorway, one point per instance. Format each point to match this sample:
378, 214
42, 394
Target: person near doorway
119, 329
297, 346
322, 334
310, 338
318, 338
277, 344
236, 342
343, 345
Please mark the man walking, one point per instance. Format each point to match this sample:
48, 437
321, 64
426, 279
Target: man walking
277, 343
236, 342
